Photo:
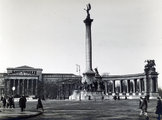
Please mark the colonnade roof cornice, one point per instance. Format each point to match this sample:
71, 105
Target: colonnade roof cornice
128, 76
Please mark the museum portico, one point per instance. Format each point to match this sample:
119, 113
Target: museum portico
23, 79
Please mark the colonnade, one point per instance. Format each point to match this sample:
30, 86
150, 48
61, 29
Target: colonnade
22, 86
137, 86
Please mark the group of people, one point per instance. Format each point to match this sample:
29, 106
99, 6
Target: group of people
143, 105
9, 103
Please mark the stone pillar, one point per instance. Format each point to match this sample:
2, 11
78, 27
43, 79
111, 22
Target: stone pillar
14, 82
151, 85
36, 87
156, 85
113, 91
133, 86
140, 88
121, 86
9, 87
31, 86
13, 86
5, 87
23, 89
145, 85
88, 44
106, 88
89, 74
18, 87
127, 87
27, 86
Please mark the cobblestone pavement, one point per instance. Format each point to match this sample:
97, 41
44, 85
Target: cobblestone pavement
94, 110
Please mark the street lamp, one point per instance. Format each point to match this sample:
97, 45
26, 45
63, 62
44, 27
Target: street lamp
78, 68
13, 89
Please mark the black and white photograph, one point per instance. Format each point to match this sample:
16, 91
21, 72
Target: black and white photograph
80, 60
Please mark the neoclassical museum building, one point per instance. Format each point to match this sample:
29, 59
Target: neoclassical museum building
31, 81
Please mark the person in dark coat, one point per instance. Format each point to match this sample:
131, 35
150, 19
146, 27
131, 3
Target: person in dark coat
140, 105
22, 103
40, 105
159, 108
4, 102
143, 106
11, 102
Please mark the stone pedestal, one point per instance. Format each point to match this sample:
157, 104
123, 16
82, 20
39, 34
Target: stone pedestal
84, 95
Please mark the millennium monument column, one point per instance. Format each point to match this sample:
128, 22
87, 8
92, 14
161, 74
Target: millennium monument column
91, 82
89, 74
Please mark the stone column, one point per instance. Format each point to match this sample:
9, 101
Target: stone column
23, 90
9, 87
128, 87
31, 86
27, 86
140, 89
5, 86
14, 82
88, 44
89, 74
18, 87
36, 87
133, 86
106, 88
151, 85
121, 89
156, 85
145, 85
13, 86
113, 91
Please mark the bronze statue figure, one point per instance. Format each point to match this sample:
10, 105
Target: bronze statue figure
88, 9
150, 65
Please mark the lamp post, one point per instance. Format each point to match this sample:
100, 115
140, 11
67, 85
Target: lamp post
13, 89
78, 68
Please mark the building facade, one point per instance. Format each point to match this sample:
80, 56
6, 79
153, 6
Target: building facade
31, 81
22, 80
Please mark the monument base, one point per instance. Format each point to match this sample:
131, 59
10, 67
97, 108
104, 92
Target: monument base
154, 95
85, 95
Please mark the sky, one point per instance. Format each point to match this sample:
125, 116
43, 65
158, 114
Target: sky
50, 34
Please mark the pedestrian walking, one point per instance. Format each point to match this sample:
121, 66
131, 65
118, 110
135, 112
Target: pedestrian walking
158, 108
39, 104
143, 106
11, 102
140, 105
22, 103
4, 102
7, 102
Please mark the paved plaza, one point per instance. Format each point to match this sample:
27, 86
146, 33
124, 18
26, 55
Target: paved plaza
93, 110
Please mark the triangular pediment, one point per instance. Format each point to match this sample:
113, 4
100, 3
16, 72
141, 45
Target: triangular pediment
24, 67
